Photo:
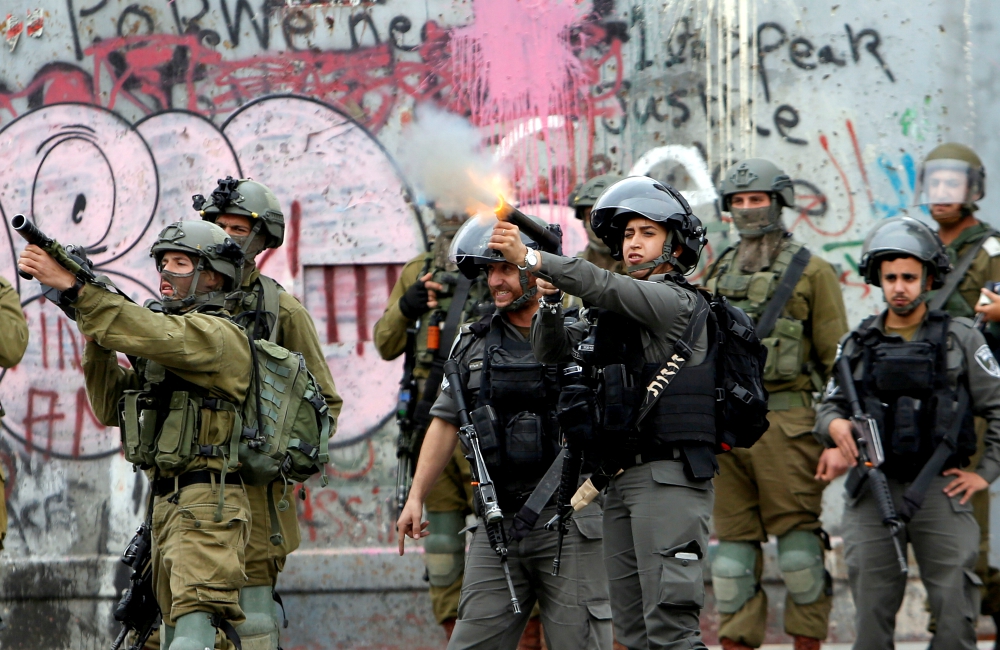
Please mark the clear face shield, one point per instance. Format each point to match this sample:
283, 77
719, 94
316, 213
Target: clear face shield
948, 182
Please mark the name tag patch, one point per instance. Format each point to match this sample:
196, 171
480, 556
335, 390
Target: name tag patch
992, 246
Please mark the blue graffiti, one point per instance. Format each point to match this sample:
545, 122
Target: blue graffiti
903, 194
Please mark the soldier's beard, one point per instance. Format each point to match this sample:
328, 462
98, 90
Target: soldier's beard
909, 308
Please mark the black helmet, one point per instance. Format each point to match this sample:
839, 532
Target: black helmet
903, 236
656, 201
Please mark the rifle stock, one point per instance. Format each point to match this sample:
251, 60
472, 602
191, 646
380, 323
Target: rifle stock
137, 609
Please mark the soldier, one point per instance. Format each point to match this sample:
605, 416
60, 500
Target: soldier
431, 299
13, 343
582, 201
656, 511
949, 183
250, 214
921, 375
795, 301
502, 376
190, 363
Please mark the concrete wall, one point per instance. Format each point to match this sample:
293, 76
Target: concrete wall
113, 113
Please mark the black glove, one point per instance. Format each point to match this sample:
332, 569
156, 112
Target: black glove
413, 304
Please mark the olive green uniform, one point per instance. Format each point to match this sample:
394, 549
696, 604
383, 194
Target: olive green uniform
198, 560
297, 333
450, 498
985, 268
943, 533
13, 343
770, 488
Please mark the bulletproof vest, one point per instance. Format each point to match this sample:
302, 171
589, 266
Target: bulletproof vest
683, 415
160, 424
751, 292
905, 388
263, 294
523, 439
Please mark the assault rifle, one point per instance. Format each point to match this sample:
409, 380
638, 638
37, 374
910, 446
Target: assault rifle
72, 258
137, 610
870, 458
406, 443
484, 490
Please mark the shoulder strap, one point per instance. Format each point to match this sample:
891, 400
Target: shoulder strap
715, 265
958, 273
784, 291
683, 349
270, 306
451, 322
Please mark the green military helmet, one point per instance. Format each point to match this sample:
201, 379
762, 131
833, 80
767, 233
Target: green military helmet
586, 194
903, 237
247, 198
939, 180
211, 248
757, 175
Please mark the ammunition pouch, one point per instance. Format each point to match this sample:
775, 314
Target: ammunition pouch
514, 379
904, 368
620, 397
487, 426
576, 413
526, 438
785, 351
175, 444
138, 420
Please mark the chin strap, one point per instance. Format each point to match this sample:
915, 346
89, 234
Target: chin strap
666, 258
910, 308
527, 293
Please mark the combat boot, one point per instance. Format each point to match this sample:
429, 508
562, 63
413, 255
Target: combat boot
729, 644
531, 638
806, 643
260, 630
192, 632
449, 627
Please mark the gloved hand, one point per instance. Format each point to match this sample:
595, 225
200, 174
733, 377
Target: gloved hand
413, 304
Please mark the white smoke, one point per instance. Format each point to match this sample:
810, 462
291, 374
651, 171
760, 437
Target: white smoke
442, 154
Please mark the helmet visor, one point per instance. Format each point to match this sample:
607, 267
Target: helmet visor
471, 242
948, 181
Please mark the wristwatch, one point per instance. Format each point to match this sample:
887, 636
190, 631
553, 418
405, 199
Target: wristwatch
530, 259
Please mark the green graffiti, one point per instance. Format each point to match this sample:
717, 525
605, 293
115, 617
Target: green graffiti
841, 244
907, 120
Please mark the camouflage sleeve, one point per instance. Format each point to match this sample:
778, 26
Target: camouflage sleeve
206, 350
827, 313
15, 329
984, 390
298, 334
106, 382
834, 405
390, 330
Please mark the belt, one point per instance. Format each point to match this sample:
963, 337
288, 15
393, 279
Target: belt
165, 486
789, 399
664, 453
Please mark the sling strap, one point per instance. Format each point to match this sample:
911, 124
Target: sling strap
783, 292
422, 416
957, 274
527, 516
683, 349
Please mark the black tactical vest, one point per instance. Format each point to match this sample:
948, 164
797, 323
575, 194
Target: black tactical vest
684, 414
523, 393
905, 388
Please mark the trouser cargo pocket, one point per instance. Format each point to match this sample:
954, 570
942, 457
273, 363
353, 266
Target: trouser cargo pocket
682, 583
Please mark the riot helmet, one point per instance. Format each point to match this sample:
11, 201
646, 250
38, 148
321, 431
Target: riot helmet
757, 175
210, 248
642, 196
903, 237
951, 174
246, 197
471, 253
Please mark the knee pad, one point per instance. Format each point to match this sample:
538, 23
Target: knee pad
733, 578
800, 559
444, 548
193, 632
260, 630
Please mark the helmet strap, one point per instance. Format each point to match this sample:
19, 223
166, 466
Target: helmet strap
527, 293
666, 258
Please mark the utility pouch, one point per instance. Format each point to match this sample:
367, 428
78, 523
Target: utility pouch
513, 380
621, 399
904, 367
945, 413
576, 412
175, 446
525, 438
487, 426
759, 287
906, 426
784, 351
138, 427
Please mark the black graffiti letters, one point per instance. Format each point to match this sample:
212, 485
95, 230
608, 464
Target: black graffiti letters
874, 40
